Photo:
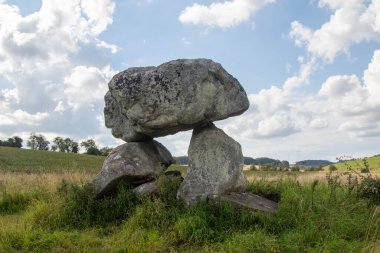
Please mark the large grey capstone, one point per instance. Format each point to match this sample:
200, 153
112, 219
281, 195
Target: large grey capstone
215, 166
133, 163
147, 102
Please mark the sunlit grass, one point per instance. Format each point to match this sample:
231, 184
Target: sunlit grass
14, 159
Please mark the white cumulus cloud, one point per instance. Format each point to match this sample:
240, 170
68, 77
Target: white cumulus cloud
55, 60
352, 22
221, 14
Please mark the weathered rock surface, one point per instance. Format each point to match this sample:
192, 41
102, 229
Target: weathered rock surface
215, 165
179, 95
151, 188
132, 163
241, 184
251, 201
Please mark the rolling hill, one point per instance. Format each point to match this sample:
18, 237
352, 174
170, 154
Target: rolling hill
357, 164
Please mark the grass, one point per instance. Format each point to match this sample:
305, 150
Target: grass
25, 160
314, 217
358, 164
48, 209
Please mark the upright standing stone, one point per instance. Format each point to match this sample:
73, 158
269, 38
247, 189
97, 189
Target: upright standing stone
215, 165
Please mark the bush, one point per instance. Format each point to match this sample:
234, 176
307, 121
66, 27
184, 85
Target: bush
93, 151
369, 188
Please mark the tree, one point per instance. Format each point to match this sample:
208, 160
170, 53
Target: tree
90, 143
90, 146
65, 145
59, 144
42, 143
15, 142
93, 151
105, 151
32, 141
74, 147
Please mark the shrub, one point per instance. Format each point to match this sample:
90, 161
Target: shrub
369, 188
332, 168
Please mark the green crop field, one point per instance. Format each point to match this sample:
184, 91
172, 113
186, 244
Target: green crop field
25, 160
44, 207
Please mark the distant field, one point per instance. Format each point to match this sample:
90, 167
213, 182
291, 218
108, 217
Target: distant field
25, 160
357, 164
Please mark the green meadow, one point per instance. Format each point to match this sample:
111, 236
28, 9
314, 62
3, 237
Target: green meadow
45, 206
358, 164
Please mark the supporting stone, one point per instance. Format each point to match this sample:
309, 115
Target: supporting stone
133, 163
215, 166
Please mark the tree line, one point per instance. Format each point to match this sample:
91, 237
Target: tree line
59, 144
14, 141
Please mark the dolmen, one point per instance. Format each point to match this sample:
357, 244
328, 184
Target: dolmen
147, 102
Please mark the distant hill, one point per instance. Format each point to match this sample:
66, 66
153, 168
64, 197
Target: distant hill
247, 160
313, 163
182, 159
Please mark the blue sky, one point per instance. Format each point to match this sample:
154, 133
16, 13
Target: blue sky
310, 68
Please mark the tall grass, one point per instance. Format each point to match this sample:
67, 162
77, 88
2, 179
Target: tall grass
313, 217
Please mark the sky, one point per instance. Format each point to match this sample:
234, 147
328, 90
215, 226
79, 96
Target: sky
311, 69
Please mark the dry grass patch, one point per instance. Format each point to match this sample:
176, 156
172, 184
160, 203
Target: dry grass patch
22, 181
302, 177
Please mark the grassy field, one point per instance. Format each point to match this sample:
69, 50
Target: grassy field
25, 160
357, 164
45, 208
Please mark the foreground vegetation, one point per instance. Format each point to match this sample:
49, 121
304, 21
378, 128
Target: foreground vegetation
63, 217
44, 207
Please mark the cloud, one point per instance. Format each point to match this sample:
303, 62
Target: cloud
83, 79
343, 103
274, 112
56, 62
21, 117
356, 103
223, 15
352, 22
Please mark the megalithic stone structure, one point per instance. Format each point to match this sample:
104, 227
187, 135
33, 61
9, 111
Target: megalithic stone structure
147, 102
